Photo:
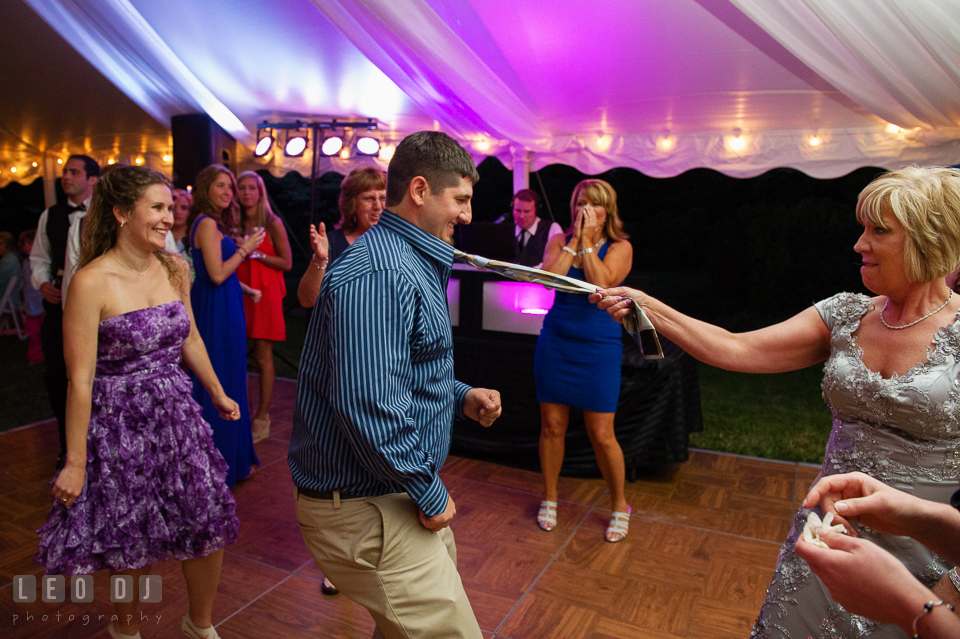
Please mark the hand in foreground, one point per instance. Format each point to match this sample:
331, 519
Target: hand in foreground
860, 498
614, 302
319, 242
50, 293
866, 579
228, 408
251, 242
68, 484
440, 521
482, 405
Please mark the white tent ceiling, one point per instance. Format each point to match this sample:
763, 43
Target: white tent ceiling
662, 86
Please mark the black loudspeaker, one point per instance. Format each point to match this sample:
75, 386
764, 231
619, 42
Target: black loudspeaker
198, 142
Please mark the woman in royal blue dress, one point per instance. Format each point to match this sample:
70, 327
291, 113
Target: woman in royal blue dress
218, 307
578, 356
142, 481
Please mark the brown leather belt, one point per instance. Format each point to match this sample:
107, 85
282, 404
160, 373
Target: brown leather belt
324, 494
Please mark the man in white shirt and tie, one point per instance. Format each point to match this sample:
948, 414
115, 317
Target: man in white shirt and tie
54, 259
531, 232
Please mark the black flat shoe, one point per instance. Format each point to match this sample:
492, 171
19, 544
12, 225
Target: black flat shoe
328, 588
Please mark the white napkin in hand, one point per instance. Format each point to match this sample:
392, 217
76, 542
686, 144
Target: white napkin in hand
811, 529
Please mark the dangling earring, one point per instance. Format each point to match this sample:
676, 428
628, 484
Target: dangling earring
122, 222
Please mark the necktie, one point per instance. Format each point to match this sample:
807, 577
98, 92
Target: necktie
524, 235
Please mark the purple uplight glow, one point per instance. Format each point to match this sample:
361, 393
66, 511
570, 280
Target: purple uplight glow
515, 307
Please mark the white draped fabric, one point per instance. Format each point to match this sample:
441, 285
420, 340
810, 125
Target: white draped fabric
901, 60
116, 39
740, 86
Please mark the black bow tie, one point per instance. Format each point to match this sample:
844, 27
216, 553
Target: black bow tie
76, 207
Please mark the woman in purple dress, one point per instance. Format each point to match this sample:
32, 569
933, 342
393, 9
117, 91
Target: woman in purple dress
143, 481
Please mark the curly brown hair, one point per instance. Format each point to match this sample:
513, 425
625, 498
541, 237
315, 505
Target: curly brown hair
120, 189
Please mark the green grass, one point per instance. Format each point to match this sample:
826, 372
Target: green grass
771, 416
780, 416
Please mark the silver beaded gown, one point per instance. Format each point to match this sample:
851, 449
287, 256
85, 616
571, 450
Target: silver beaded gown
903, 431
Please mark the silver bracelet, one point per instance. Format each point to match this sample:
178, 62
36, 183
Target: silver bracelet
570, 251
954, 577
585, 251
927, 608
319, 267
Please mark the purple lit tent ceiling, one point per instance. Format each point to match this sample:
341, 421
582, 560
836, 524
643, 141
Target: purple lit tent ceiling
662, 86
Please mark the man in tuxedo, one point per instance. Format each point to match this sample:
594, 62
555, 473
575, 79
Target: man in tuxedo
53, 259
532, 233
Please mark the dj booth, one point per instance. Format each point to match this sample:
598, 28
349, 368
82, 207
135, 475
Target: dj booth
495, 327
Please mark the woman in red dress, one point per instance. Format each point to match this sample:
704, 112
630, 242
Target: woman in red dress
263, 272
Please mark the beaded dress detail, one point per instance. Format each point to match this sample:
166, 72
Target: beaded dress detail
903, 431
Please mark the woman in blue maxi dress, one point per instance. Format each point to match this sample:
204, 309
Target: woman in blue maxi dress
218, 308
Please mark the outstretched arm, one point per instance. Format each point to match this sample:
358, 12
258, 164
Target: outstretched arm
799, 342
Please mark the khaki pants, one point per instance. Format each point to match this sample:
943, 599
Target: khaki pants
376, 551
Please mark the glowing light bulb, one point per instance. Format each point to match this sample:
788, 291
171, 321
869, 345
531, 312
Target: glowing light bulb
893, 128
737, 143
666, 143
344, 153
482, 145
603, 141
138, 161
112, 161
34, 165
167, 157
386, 152
815, 141
13, 169
332, 145
59, 160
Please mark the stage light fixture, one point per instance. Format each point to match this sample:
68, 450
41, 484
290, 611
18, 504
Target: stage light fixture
331, 146
368, 145
264, 145
296, 144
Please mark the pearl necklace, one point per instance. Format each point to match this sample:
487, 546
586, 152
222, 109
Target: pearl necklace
930, 314
142, 273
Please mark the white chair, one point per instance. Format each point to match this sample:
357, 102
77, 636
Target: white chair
11, 306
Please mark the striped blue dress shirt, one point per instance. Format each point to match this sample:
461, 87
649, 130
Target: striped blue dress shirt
376, 395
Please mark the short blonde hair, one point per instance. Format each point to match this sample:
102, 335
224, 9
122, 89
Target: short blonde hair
926, 202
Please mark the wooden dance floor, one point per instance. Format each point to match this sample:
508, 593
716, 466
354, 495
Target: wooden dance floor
703, 541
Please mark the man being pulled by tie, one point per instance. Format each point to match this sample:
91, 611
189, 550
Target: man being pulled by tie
53, 259
376, 399
532, 233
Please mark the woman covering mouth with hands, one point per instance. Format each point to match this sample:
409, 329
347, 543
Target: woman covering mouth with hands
577, 362
890, 379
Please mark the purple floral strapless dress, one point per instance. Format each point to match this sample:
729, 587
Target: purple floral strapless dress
155, 486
